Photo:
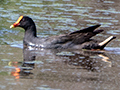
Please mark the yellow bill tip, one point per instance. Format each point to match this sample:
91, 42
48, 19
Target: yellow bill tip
12, 26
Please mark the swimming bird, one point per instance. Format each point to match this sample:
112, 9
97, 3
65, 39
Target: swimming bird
80, 39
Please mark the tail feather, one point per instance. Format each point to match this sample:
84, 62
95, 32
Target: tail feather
106, 41
85, 30
97, 31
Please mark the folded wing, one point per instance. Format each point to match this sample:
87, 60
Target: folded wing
77, 37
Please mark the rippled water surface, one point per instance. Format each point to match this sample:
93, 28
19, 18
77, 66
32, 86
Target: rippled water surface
59, 70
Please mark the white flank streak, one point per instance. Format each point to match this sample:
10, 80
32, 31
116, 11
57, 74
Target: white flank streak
41, 45
37, 45
30, 48
31, 44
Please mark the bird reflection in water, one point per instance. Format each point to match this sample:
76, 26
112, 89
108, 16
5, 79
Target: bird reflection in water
16, 72
88, 60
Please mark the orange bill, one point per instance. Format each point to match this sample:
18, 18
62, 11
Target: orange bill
17, 22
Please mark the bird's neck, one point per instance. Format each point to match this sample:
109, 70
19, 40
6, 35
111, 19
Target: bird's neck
30, 32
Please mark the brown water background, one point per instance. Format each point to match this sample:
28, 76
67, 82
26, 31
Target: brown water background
59, 70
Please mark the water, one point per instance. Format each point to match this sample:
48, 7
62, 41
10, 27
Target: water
59, 70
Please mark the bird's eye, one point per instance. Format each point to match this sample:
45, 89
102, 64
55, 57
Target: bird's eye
23, 19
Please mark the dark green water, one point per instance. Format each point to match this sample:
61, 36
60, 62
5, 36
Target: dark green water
59, 70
